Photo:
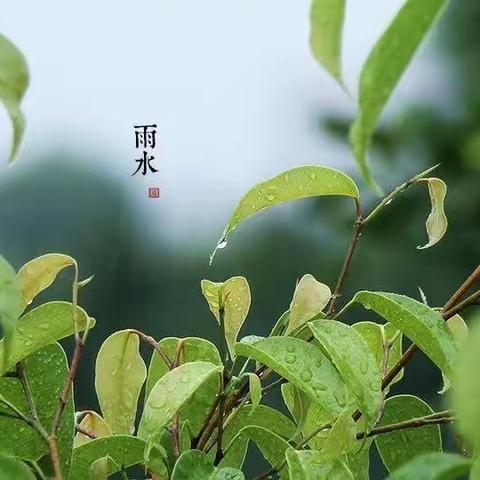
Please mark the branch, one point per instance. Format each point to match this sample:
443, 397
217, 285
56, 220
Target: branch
156, 345
463, 289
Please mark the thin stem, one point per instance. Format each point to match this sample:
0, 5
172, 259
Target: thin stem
463, 289
81, 430
221, 413
156, 345
22, 376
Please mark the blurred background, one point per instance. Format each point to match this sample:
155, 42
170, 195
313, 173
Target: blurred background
237, 98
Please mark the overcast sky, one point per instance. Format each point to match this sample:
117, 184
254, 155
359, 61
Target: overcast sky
231, 84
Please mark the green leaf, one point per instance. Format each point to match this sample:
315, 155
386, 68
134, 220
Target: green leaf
46, 371
423, 325
358, 461
92, 423
356, 364
309, 299
299, 405
171, 392
375, 335
383, 69
195, 465
300, 182
437, 222
39, 273
399, 447
12, 468
326, 26
99, 469
466, 389
119, 375
341, 437
10, 308
433, 466
14, 81
302, 364
272, 446
40, 327
193, 349
255, 388
234, 296
312, 465
123, 450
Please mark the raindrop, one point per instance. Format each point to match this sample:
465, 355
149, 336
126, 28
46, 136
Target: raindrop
290, 349
290, 358
306, 375
389, 202
375, 386
270, 198
222, 243
364, 368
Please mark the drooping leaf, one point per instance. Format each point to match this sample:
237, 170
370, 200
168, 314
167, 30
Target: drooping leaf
12, 468
356, 364
437, 222
374, 335
300, 182
433, 466
39, 273
123, 450
193, 349
466, 389
423, 325
234, 296
341, 438
10, 309
99, 469
358, 460
309, 299
40, 327
262, 416
14, 80
326, 26
399, 447
93, 424
255, 389
459, 329
171, 392
302, 364
312, 465
281, 326
299, 405
272, 446
119, 375
46, 371
383, 69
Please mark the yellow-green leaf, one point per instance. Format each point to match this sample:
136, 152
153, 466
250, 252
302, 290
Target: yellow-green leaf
357, 365
255, 389
234, 296
93, 424
12, 468
99, 469
384, 68
326, 26
40, 327
39, 273
423, 325
437, 222
302, 364
397, 448
342, 436
300, 182
14, 79
171, 392
309, 299
119, 375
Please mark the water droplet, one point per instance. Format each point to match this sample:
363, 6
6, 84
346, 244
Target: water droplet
320, 387
375, 386
290, 358
271, 198
222, 243
389, 202
290, 349
364, 368
306, 375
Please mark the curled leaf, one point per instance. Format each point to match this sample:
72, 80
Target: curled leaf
309, 299
437, 222
255, 388
93, 425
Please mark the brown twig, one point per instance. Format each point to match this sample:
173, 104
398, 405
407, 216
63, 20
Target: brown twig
463, 289
156, 345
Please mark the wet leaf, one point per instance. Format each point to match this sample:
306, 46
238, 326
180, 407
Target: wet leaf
255, 388
93, 424
234, 296
46, 371
384, 68
374, 337
10, 309
99, 469
119, 375
123, 450
171, 392
39, 273
309, 299
433, 466
326, 26
300, 182
302, 364
312, 465
423, 325
193, 349
14, 80
40, 327
399, 447
13, 468
341, 437
437, 222
356, 364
